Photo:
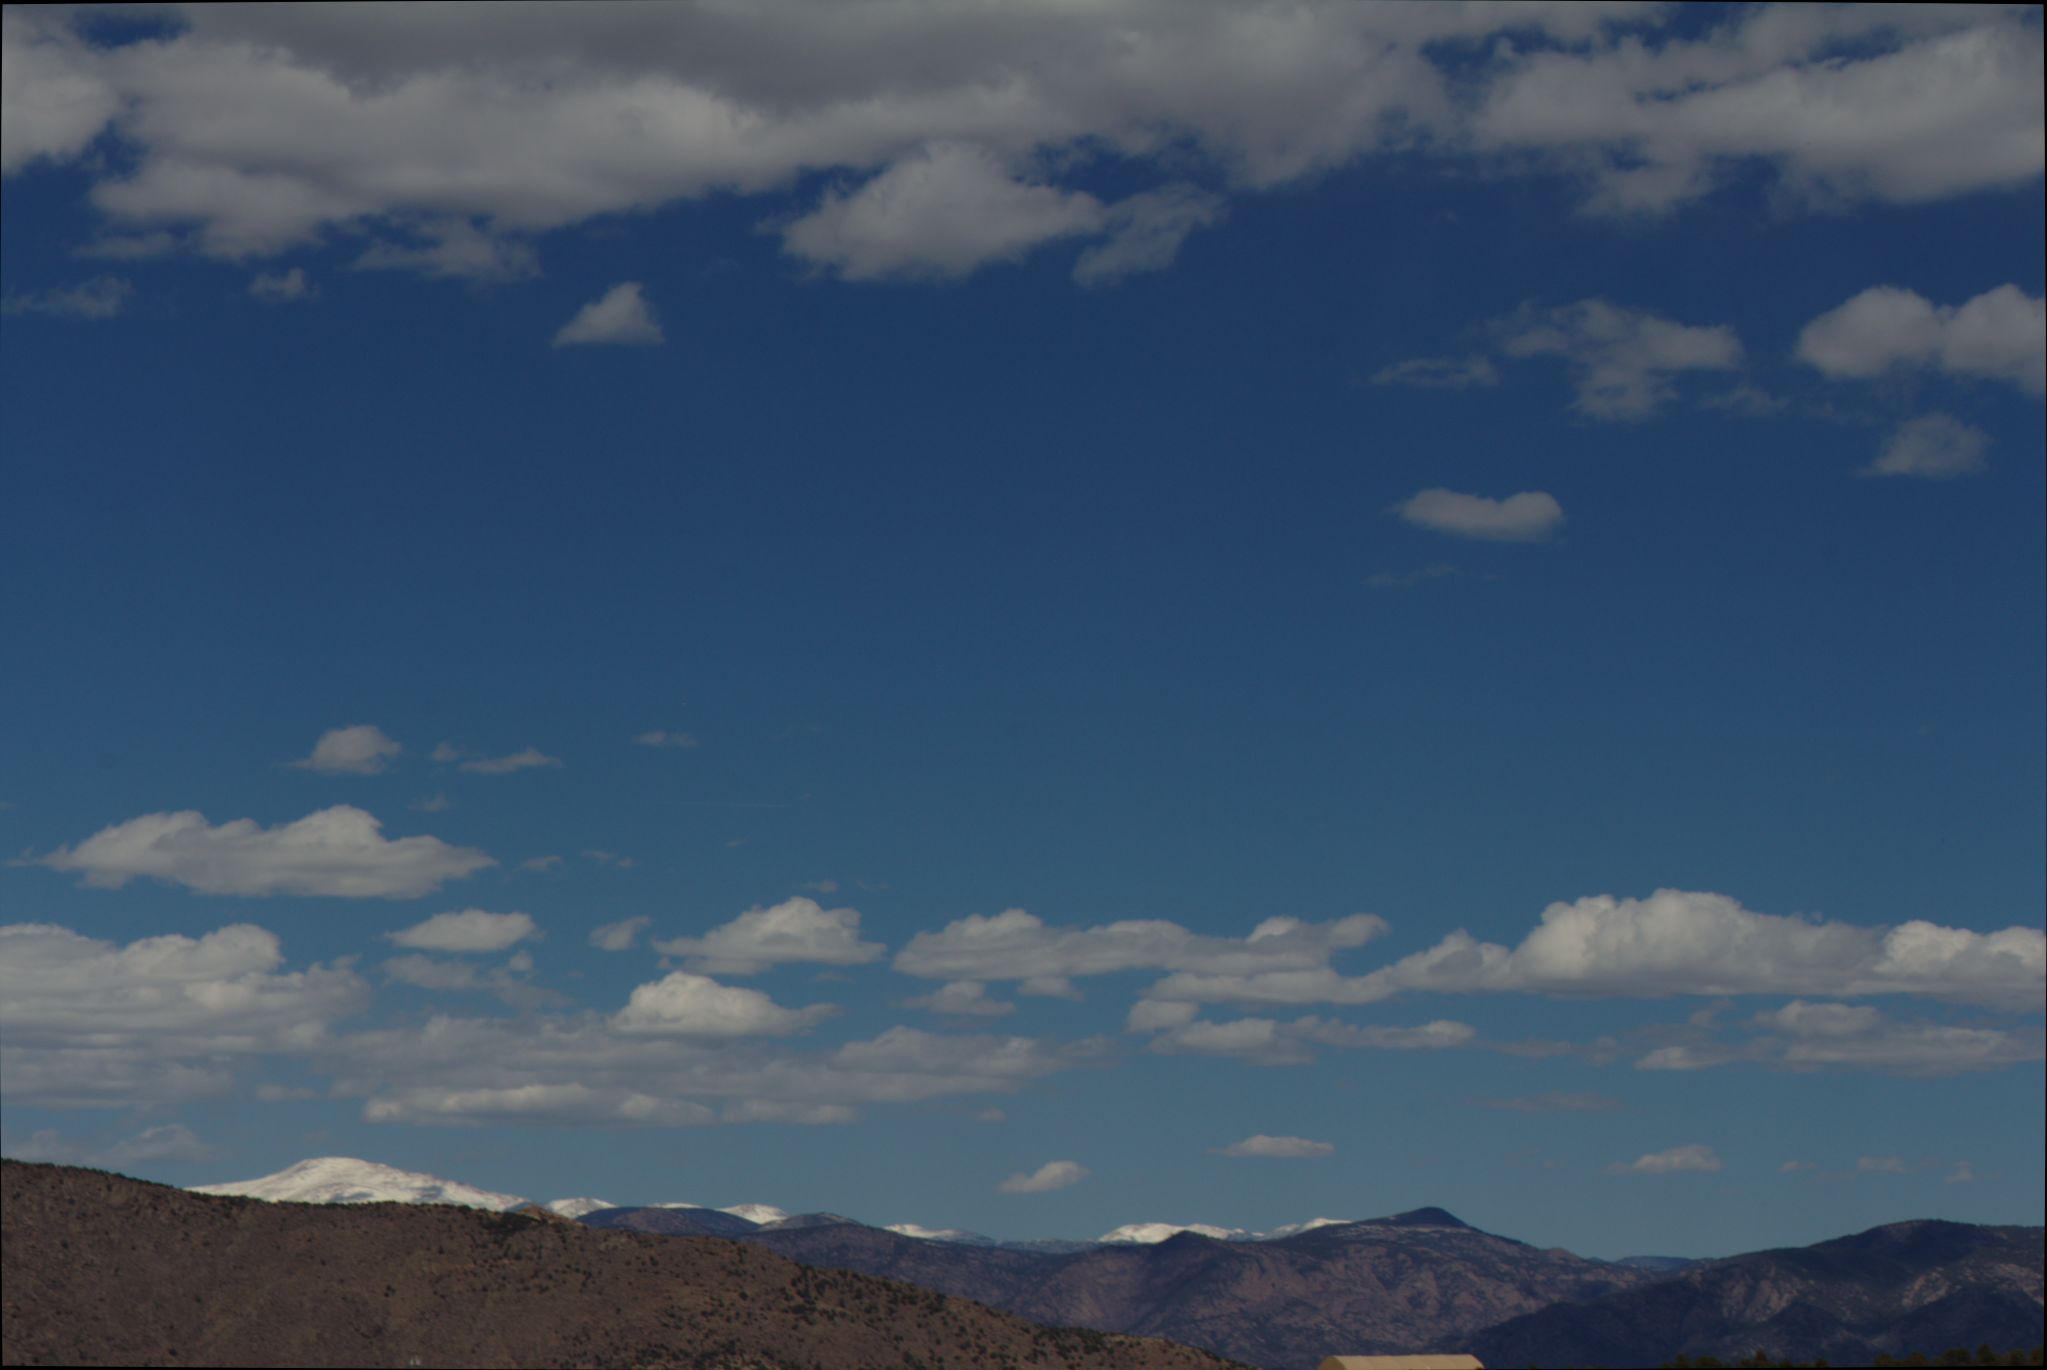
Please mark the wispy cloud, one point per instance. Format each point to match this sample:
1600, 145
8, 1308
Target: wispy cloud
1046, 1178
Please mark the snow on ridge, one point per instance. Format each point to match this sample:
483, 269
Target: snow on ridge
576, 1208
1294, 1229
938, 1234
1153, 1233
345, 1180
756, 1213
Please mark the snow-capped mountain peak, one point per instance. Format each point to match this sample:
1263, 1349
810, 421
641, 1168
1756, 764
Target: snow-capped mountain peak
576, 1208
345, 1180
1152, 1233
757, 1213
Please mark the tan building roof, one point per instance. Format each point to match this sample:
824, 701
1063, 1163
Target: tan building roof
1457, 1361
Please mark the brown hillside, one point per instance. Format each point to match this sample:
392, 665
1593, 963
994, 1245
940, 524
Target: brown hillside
98, 1269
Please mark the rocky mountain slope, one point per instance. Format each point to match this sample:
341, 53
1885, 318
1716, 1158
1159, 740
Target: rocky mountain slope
1898, 1289
1387, 1286
97, 1269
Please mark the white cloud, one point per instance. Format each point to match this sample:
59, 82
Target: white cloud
1150, 1015
1880, 1165
1933, 446
2000, 334
1015, 945
432, 803
530, 759
1046, 1178
696, 1005
1266, 1041
99, 298
1963, 1173
946, 210
662, 738
592, 1068
795, 930
1439, 373
467, 930
53, 102
618, 936
1145, 233
1622, 359
1279, 1148
1846, 103
359, 750
962, 998
1805, 1036
619, 316
339, 851
282, 287
85, 1022
1675, 942
1530, 516
1678, 1160
260, 129
456, 249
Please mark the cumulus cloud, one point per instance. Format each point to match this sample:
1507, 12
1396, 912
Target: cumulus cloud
100, 298
1530, 516
620, 315
962, 998
530, 759
339, 852
795, 930
592, 1068
1678, 1160
1015, 945
1278, 1148
1046, 1178
53, 102
87, 1022
1267, 1041
1439, 373
1928, 106
359, 750
1934, 447
945, 210
1675, 942
467, 930
1622, 360
618, 936
2000, 334
1145, 233
453, 248
698, 1006
450, 138
1805, 1036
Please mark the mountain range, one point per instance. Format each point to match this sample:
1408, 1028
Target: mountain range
98, 1269
1420, 1280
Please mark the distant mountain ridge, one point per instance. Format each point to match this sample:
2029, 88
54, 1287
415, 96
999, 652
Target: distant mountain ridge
1921, 1286
342, 1179
1412, 1281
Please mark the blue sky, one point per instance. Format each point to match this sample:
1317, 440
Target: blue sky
751, 603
